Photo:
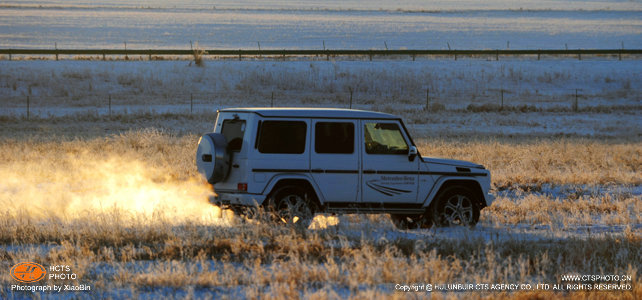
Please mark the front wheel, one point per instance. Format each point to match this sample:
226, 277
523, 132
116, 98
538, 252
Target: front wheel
456, 206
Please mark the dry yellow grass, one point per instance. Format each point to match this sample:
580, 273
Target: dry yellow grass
129, 214
554, 161
170, 157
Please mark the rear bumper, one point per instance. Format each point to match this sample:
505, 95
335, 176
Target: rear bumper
237, 199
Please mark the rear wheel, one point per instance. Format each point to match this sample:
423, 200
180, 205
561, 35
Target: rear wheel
293, 205
456, 206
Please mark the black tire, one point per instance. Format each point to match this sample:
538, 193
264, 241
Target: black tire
456, 206
411, 221
293, 205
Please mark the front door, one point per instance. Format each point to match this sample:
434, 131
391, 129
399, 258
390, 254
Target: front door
334, 162
388, 176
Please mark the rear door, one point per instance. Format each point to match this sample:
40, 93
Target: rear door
233, 127
334, 159
281, 146
388, 175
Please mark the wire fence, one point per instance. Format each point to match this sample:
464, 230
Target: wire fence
327, 53
491, 100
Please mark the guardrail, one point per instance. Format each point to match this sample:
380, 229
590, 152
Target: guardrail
370, 53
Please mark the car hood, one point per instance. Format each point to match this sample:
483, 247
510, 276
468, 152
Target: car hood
452, 162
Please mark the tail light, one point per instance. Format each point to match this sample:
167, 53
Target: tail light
241, 186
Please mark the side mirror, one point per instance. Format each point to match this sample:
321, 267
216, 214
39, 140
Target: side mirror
412, 153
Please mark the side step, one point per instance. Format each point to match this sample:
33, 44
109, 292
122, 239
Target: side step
372, 208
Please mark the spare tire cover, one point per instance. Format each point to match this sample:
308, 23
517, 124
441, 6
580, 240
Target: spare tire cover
212, 158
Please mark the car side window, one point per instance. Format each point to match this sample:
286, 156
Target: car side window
233, 130
384, 138
334, 137
282, 137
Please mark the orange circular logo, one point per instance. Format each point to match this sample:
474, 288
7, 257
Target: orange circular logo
28, 272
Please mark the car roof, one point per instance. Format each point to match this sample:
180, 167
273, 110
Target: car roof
306, 112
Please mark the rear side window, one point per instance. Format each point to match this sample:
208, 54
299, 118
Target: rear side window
333, 137
282, 137
233, 131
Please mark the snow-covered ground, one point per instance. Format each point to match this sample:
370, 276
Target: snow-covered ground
538, 96
352, 231
456, 84
495, 24
609, 91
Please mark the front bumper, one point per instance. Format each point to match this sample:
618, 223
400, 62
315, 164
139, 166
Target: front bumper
237, 199
489, 199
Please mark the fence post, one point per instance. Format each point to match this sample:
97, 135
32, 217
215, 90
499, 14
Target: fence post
27, 107
621, 48
56, 47
272, 100
191, 103
104, 55
427, 99
350, 88
110, 106
497, 55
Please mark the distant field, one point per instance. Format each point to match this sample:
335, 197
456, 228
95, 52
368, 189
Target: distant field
496, 24
464, 97
549, 84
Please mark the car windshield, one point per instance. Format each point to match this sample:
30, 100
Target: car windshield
384, 138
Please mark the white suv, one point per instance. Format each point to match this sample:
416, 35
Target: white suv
297, 162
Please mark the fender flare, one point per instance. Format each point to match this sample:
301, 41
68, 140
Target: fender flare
274, 180
440, 183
